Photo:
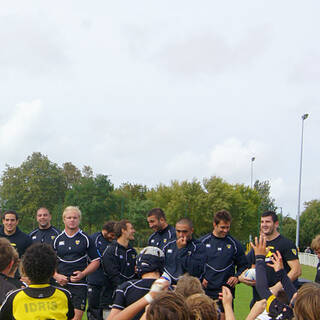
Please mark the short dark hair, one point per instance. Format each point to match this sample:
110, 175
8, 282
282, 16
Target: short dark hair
109, 226
222, 215
122, 224
270, 214
6, 253
10, 212
39, 263
186, 221
158, 213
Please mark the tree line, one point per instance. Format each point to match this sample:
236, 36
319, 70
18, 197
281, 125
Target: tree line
40, 182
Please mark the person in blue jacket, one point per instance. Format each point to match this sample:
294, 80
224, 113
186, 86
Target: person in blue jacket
226, 258
99, 293
163, 232
184, 255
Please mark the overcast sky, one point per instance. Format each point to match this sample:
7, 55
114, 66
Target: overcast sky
151, 91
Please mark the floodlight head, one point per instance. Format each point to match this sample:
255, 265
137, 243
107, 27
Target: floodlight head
253, 158
305, 116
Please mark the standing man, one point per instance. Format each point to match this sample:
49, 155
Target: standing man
98, 284
163, 232
276, 242
315, 246
73, 249
45, 233
119, 259
185, 254
226, 257
18, 239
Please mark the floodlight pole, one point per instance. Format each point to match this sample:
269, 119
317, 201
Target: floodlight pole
252, 159
304, 117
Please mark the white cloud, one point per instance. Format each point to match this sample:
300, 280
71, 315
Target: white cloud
232, 159
16, 130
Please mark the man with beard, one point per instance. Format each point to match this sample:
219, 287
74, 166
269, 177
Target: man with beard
163, 232
275, 242
185, 254
45, 233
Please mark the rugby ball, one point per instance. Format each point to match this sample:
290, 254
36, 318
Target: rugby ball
250, 274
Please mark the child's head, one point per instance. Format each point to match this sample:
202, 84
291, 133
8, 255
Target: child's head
168, 306
7, 255
188, 285
202, 307
307, 304
39, 263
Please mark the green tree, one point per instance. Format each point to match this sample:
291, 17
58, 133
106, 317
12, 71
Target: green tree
267, 202
90, 195
309, 222
288, 228
71, 174
36, 182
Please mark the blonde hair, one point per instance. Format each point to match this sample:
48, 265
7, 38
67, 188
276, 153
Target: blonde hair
188, 285
71, 209
307, 304
315, 244
202, 307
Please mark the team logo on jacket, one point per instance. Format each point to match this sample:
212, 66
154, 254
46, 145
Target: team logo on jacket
61, 243
294, 251
169, 251
52, 237
164, 240
77, 242
34, 237
133, 256
208, 245
229, 246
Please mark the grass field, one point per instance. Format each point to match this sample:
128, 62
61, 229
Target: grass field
244, 293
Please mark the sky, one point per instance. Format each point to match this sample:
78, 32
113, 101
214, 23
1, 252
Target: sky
154, 91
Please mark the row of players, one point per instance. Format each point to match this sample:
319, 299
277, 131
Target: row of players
217, 258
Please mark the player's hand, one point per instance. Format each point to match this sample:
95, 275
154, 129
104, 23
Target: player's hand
25, 279
158, 286
181, 242
61, 279
76, 276
257, 308
277, 263
226, 296
245, 280
232, 281
204, 282
260, 246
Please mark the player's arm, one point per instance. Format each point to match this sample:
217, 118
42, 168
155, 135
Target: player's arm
293, 275
295, 271
92, 267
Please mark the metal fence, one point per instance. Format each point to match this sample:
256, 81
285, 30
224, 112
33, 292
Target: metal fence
308, 259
